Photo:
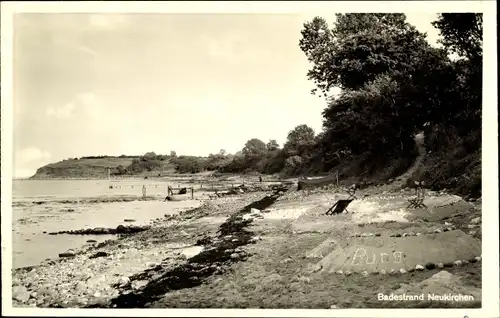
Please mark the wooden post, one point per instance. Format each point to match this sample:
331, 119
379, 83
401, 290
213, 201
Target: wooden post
192, 193
337, 175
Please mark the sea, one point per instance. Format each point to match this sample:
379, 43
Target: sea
43, 206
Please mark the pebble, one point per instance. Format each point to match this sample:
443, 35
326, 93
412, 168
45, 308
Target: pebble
392, 272
418, 234
419, 267
347, 273
304, 279
404, 235
403, 271
68, 253
365, 273
20, 293
440, 265
80, 287
382, 272
123, 281
476, 220
138, 284
457, 263
472, 232
471, 226
339, 272
234, 255
333, 307
447, 223
437, 231
151, 264
477, 258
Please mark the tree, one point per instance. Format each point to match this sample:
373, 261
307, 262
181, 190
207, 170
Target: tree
358, 48
173, 154
272, 145
462, 33
299, 139
254, 148
150, 155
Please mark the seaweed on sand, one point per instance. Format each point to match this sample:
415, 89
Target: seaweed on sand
213, 260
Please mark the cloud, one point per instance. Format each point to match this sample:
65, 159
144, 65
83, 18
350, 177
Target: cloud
61, 112
32, 154
85, 102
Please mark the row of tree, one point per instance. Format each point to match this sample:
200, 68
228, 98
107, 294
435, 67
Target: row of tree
393, 84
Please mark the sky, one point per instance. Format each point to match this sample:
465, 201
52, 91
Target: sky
112, 84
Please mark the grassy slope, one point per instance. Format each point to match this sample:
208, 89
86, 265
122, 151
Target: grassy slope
91, 168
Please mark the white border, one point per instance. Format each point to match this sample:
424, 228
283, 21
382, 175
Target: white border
490, 287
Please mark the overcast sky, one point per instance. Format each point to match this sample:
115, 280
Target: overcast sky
128, 84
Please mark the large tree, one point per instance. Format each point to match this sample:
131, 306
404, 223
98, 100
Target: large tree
462, 33
359, 47
299, 140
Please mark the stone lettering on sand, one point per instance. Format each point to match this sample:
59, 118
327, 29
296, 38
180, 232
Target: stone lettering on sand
361, 257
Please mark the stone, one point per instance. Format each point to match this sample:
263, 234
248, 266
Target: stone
347, 273
68, 253
138, 284
403, 271
123, 281
477, 258
254, 210
333, 307
392, 272
404, 235
234, 255
419, 267
471, 226
151, 264
304, 279
96, 280
20, 293
365, 273
476, 220
286, 260
80, 287
339, 272
472, 232
457, 263
437, 231
418, 234
440, 265
382, 272
99, 254
447, 223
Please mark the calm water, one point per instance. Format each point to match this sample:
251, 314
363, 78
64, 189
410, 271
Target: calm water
30, 218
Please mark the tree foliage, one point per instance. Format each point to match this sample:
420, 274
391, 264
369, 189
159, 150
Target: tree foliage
462, 33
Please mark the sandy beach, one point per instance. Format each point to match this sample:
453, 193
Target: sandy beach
238, 251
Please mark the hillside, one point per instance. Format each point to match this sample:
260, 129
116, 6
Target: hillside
97, 168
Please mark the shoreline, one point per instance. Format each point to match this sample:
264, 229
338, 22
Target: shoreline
114, 247
193, 260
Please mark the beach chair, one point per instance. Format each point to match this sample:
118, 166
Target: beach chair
418, 200
339, 207
351, 191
